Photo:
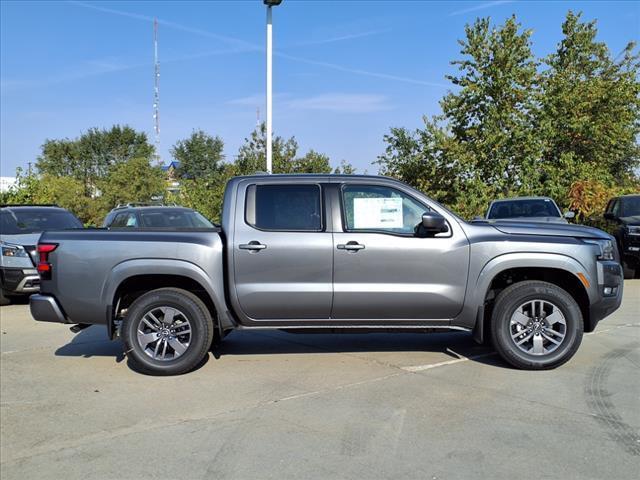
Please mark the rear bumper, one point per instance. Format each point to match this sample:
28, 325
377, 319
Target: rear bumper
44, 308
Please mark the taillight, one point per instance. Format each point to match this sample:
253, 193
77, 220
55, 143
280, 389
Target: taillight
44, 267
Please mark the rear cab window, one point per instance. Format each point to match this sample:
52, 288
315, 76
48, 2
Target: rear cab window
275, 207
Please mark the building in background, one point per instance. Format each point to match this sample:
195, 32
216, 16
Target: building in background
6, 183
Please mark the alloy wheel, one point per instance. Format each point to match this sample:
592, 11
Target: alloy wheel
538, 327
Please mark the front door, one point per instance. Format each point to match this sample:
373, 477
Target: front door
383, 271
283, 255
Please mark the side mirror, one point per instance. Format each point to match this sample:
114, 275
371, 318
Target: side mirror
478, 218
433, 222
609, 216
569, 215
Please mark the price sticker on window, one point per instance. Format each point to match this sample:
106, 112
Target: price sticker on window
370, 213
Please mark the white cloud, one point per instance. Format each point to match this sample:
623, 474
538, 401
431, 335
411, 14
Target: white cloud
342, 102
331, 102
481, 6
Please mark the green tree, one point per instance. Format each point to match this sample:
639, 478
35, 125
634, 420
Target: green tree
132, 181
492, 113
252, 157
312, 162
345, 168
510, 129
200, 155
590, 115
89, 157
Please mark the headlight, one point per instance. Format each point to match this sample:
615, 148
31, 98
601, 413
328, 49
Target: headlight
633, 230
9, 250
606, 248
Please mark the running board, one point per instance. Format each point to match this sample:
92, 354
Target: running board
355, 328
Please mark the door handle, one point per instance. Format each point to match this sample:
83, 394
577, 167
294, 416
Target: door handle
351, 246
252, 245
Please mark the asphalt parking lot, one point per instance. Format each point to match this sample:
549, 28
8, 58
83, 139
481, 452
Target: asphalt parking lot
278, 405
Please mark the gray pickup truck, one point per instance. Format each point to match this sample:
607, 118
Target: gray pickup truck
332, 253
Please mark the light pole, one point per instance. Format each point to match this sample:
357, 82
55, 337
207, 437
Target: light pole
270, 4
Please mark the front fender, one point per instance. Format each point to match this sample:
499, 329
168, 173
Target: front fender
527, 260
478, 284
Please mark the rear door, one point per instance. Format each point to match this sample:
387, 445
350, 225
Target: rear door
382, 270
282, 251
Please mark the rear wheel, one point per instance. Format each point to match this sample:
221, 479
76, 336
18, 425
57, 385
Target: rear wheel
536, 325
167, 331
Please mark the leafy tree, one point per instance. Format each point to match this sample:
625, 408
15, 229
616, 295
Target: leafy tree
590, 107
200, 155
492, 113
345, 168
89, 157
252, 157
132, 181
205, 194
511, 129
312, 162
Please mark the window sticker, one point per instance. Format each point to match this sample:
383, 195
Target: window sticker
377, 213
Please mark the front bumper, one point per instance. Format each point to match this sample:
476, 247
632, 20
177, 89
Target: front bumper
19, 281
609, 277
44, 308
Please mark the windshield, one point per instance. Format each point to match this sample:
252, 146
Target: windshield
17, 222
630, 206
173, 219
537, 207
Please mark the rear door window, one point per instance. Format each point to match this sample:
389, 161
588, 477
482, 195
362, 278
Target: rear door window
284, 207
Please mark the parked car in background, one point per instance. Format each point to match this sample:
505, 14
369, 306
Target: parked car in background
625, 212
136, 215
332, 253
20, 229
527, 209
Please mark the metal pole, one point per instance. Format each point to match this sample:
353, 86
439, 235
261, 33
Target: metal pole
269, 90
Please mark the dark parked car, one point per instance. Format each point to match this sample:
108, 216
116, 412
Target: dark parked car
20, 229
625, 211
154, 216
527, 209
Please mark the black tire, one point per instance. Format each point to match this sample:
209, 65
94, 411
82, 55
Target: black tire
628, 271
4, 300
201, 331
510, 299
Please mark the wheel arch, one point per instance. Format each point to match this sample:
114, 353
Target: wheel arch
508, 269
130, 279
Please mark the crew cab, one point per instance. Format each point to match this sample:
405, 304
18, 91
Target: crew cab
332, 253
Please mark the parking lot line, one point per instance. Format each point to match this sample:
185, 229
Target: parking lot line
461, 358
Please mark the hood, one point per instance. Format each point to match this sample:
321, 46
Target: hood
531, 220
22, 239
549, 229
631, 220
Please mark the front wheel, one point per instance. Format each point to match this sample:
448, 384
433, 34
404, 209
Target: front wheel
167, 331
536, 325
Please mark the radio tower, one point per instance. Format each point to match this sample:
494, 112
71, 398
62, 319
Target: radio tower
156, 90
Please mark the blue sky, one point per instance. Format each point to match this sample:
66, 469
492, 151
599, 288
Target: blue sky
344, 71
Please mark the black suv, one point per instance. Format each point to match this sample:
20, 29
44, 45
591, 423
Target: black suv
137, 215
20, 229
625, 211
